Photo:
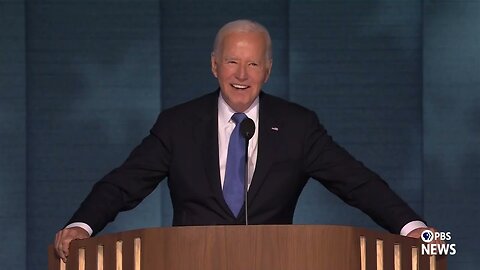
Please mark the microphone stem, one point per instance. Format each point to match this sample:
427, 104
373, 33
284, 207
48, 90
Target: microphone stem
246, 183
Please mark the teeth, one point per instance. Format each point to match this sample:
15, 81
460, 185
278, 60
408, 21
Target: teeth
239, 86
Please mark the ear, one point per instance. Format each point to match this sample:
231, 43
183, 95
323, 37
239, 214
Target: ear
213, 63
268, 70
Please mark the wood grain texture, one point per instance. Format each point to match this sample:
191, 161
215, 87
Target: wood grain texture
284, 247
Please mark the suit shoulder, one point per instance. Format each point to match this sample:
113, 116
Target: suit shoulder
284, 107
185, 114
195, 107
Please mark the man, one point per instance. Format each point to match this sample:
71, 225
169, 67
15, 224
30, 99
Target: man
192, 144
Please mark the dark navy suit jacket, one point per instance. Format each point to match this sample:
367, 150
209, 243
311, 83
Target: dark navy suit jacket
292, 147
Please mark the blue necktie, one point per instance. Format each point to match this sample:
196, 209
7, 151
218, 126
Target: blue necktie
233, 186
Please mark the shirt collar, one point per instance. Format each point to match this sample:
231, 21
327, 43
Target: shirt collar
225, 112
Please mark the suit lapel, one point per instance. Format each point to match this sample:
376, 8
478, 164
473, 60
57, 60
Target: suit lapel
268, 128
206, 136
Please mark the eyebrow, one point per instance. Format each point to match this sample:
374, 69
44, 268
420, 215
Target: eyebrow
228, 58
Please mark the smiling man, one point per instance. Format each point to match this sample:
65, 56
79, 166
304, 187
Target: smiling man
198, 147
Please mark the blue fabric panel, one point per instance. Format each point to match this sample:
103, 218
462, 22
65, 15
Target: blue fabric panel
452, 124
93, 94
13, 190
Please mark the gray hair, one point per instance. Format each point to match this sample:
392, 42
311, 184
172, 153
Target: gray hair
248, 26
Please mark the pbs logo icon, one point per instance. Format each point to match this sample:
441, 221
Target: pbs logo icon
427, 236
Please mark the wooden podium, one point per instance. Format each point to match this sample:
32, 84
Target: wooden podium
262, 247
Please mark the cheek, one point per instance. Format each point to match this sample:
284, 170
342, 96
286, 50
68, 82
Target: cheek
224, 73
258, 77
228, 68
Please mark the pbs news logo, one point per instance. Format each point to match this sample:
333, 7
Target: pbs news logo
429, 248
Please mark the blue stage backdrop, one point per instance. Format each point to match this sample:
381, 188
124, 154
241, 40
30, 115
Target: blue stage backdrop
13, 108
82, 82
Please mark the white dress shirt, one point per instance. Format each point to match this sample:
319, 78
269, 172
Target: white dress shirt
225, 128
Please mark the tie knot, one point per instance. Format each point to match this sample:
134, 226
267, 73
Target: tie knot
238, 117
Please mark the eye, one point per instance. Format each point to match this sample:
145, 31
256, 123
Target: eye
253, 64
231, 62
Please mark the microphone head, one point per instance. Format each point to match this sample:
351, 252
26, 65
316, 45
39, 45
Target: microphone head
247, 128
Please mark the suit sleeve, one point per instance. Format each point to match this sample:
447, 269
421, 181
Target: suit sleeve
126, 186
349, 179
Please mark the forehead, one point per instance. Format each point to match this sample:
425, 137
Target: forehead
252, 42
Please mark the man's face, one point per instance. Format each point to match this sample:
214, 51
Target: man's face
241, 67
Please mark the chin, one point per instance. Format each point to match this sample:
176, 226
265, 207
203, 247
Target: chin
240, 106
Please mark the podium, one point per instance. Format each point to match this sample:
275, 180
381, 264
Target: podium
239, 247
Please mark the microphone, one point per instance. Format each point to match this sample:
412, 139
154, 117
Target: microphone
247, 129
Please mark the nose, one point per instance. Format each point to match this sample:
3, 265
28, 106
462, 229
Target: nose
241, 74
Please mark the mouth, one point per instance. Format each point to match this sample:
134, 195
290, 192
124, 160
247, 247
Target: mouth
239, 86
